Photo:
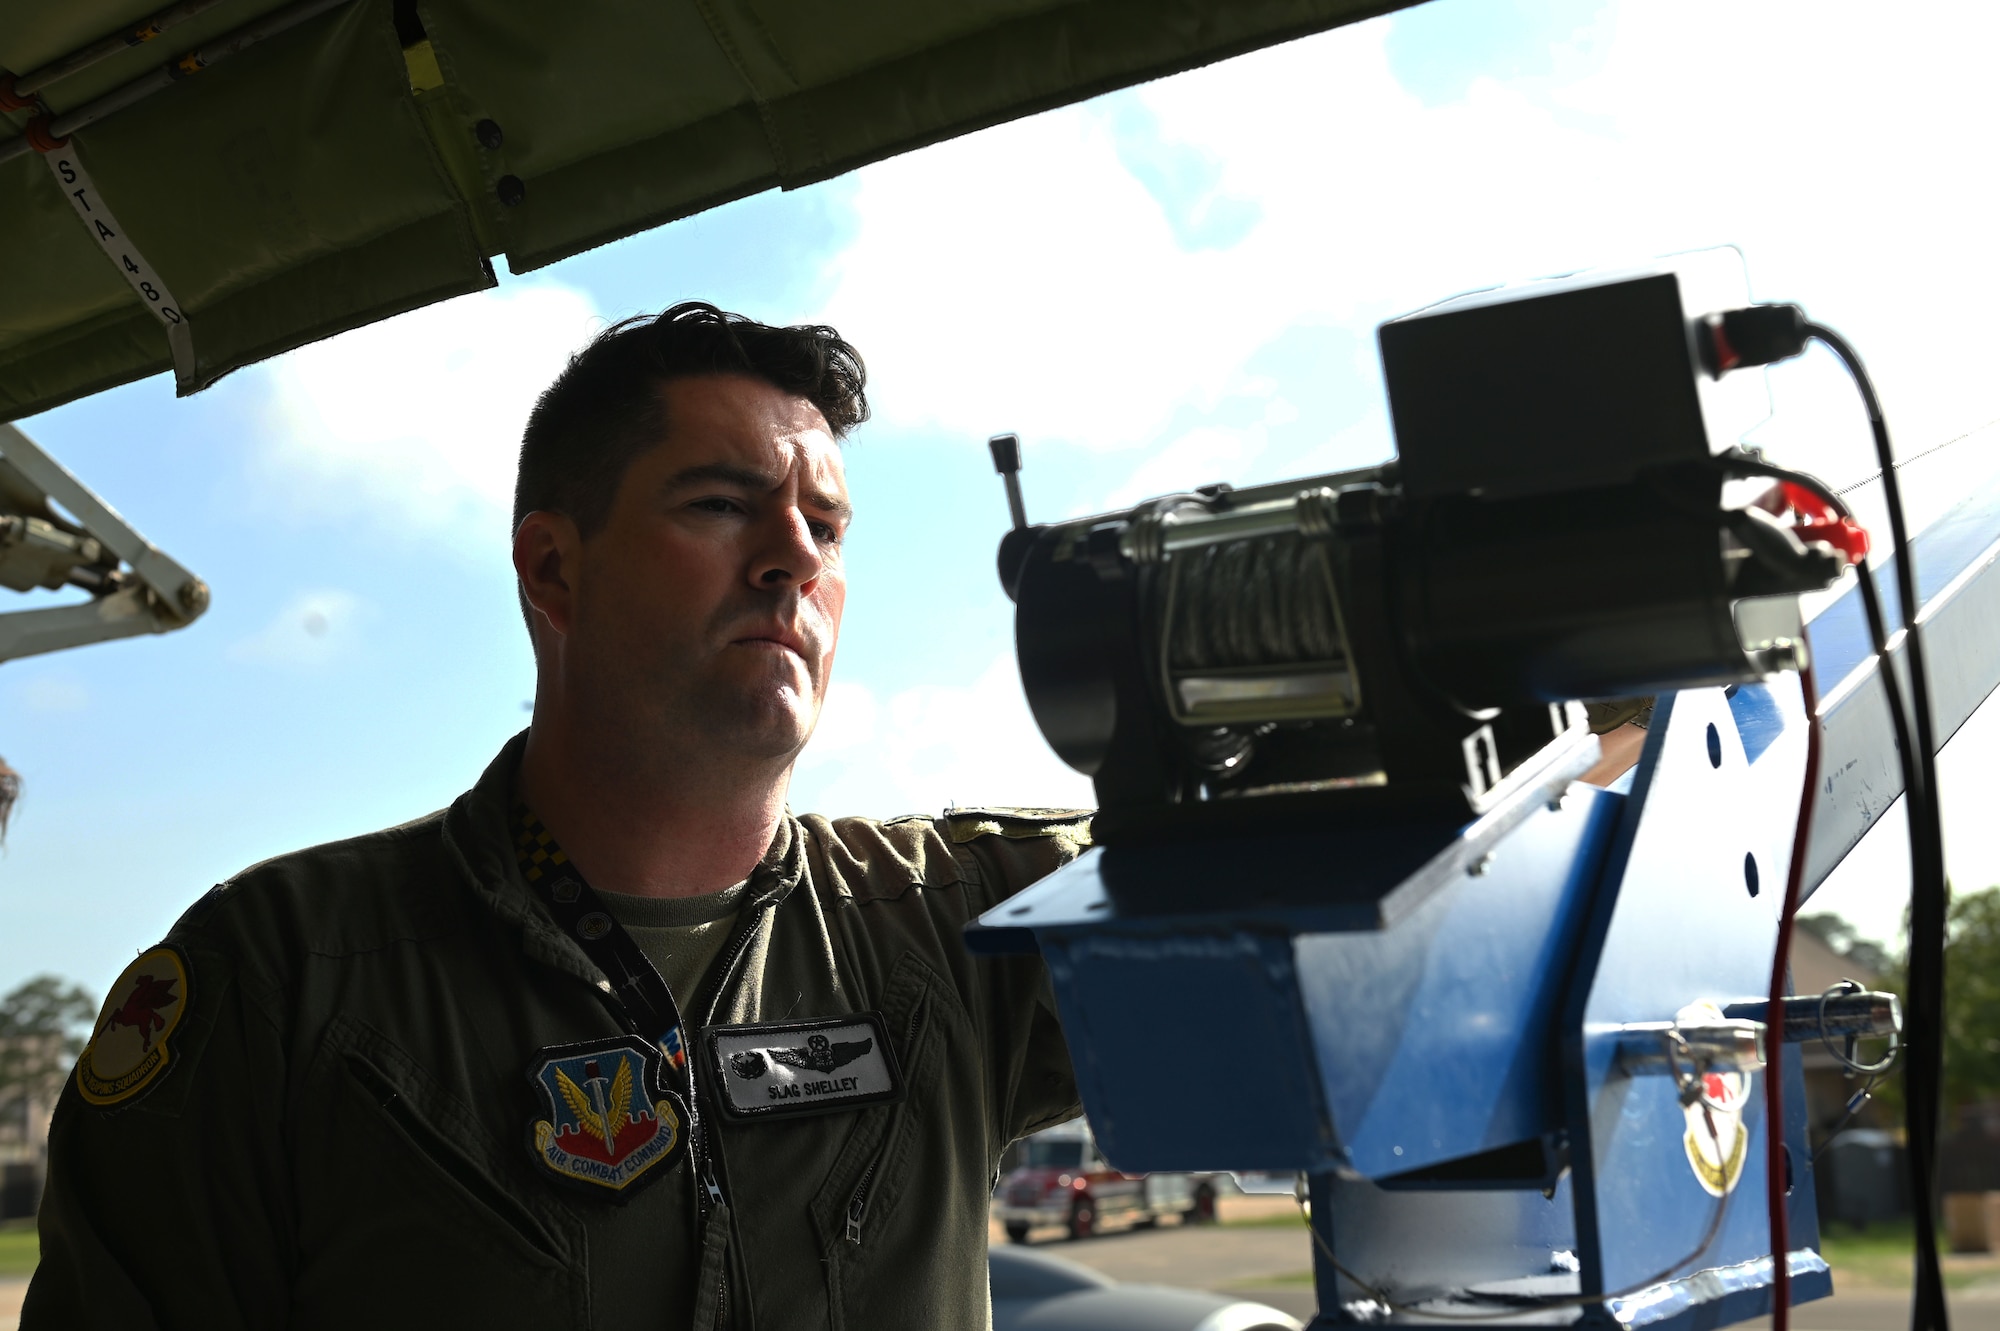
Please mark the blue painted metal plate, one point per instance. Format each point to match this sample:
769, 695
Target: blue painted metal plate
1687, 912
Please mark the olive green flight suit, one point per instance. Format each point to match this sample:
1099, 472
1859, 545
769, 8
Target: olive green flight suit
341, 1134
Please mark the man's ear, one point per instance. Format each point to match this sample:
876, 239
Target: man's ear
548, 555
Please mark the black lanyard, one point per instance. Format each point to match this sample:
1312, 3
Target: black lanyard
641, 992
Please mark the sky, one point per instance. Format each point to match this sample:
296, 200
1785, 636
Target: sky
1162, 287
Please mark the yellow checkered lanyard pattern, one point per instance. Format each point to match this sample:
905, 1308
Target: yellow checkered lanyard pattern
638, 988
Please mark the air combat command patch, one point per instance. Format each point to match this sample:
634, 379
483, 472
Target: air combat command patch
611, 1125
131, 1046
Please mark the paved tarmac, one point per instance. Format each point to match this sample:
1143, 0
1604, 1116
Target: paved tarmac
1269, 1264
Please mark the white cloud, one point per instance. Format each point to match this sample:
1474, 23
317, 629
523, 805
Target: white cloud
847, 721
1198, 457
1022, 278
932, 746
54, 693
312, 629
416, 421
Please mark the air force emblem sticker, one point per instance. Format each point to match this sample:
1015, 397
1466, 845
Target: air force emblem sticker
611, 1126
803, 1067
131, 1045
1717, 1138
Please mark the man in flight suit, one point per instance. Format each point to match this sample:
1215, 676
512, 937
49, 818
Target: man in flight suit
615, 1040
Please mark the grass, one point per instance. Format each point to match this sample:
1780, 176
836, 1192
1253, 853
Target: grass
20, 1249
1881, 1255
1878, 1256
1294, 1220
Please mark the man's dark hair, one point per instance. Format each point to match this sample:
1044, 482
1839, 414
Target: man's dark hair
605, 408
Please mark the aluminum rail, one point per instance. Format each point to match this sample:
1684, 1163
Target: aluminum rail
1960, 620
162, 596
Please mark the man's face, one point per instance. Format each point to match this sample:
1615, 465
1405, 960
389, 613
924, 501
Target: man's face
708, 605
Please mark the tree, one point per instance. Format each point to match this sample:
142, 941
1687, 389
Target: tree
43, 1027
1971, 1003
1972, 1000
1847, 941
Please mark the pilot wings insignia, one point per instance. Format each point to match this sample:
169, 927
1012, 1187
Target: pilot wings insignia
822, 1054
816, 1066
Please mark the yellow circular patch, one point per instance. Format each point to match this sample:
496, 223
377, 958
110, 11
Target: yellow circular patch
129, 1048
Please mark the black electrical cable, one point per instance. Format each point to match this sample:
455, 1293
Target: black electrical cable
1777, 1184
1878, 626
1923, 1070
1928, 1312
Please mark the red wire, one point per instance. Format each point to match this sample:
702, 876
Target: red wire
1774, 1023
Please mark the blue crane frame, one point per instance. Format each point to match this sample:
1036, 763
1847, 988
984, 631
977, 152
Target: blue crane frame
1434, 1031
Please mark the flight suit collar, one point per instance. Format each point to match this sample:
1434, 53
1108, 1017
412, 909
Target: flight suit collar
478, 836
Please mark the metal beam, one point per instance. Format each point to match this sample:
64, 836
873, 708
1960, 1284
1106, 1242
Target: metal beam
1956, 558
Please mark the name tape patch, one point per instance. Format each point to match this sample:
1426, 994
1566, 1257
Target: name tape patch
803, 1067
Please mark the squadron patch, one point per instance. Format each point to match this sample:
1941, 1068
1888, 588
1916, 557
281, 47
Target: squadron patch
611, 1124
803, 1067
1717, 1139
130, 1048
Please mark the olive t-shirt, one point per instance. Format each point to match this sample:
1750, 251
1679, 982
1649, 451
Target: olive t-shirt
681, 936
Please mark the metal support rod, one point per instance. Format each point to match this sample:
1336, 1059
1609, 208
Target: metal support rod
27, 85
179, 593
1665, 1046
1007, 461
1192, 529
194, 62
1813, 1016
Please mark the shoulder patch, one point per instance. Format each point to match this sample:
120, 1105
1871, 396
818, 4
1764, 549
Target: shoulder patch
963, 825
132, 1044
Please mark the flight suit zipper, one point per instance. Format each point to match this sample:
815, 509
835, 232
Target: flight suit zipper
707, 1190
718, 985
857, 1205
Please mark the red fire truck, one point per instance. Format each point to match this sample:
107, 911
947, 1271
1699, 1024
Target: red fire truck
1058, 1178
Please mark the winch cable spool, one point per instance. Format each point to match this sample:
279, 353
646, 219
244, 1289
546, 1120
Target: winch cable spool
1252, 625
1253, 603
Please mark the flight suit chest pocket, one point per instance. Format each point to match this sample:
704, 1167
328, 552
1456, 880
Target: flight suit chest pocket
862, 1212
399, 1182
